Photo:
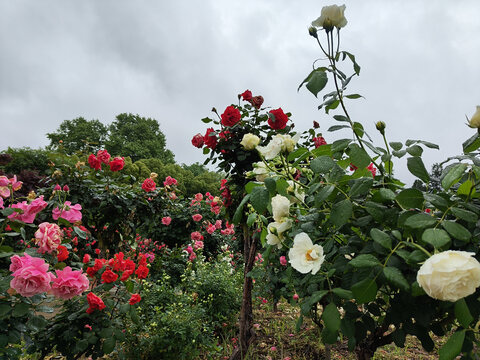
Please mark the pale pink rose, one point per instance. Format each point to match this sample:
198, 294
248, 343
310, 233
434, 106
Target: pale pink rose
69, 212
48, 237
218, 224
19, 261
29, 210
283, 260
211, 228
197, 217
4, 188
69, 283
198, 245
32, 278
166, 220
1, 203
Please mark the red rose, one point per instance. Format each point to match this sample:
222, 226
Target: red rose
210, 138
109, 276
142, 272
149, 185
277, 119
94, 302
257, 101
117, 164
134, 299
197, 140
86, 258
319, 141
126, 274
224, 134
246, 95
94, 162
103, 156
62, 253
230, 116
91, 271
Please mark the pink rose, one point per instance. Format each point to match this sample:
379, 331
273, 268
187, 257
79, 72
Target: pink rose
68, 212
1, 203
169, 181
32, 277
149, 185
103, 156
166, 220
197, 140
29, 210
195, 236
189, 249
197, 217
198, 245
211, 229
4, 187
48, 237
218, 224
283, 260
69, 283
117, 164
19, 261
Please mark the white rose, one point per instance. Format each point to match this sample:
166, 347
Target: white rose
250, 141
276, 230
331, 16
297, 190
450, 275
475, 120
280, 207
260, 171
273, 148
304, 255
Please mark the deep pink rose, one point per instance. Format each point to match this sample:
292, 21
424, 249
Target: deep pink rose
4, 187
211, 228
32, 277
210, 138
283, 260
48, 237
197, 217
277, 119
197, 140
29, 210
94, 162
230, 116
166, 220
169, 181
68, 212
196, 236
69, 283
372, 169
103, 156
19, 261
149, 185
117, 164
319, 141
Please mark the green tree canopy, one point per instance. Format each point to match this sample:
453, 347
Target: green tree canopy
78, 135
139, 138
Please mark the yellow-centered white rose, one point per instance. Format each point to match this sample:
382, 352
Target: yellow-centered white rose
331, 16
450, 275
475, 120
250, 141
304, 255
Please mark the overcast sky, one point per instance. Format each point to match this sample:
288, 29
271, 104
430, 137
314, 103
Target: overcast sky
175, 60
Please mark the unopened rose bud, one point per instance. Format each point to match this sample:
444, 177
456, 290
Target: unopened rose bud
312, 31
214, 110
316, 125
31, 195
474, 122
66, 188
380, 125
57, 187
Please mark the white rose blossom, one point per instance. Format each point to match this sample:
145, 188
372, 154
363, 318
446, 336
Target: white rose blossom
280, 208
475, 119
260, 171
304, 255
278, 144
331, 16
297, 190
276, 230
250, 141
449, 275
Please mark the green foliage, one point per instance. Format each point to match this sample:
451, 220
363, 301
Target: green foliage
26, 159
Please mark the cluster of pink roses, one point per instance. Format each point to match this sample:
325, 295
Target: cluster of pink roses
69, 212
7, 186
103, 157
31, 277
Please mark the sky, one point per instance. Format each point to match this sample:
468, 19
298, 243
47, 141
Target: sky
175, 60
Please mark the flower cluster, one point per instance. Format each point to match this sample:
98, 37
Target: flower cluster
103, 157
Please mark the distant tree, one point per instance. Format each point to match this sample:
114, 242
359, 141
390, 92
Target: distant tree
138, 137
78, 135
435, 180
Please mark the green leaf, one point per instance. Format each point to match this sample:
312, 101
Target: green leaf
251, 185
384, 194
456, 230
338, 127
251, 219
436, 237
472, 144
343, 293
360, 186
358, 156
453, 175
331, 317
206, 120
416, 167
109, 345
237, 216
353, 96
358, 129
340, 145
322, 164
453, 346
418, 221
340, 118
381, 238
260, 199
462, 313
467, 215
396, 145
466, 188
323, 194
415, 150
271, 185
365, 291
396, 278
364, 260
341, 212
317, 81
81, 234
4, 309
20, 309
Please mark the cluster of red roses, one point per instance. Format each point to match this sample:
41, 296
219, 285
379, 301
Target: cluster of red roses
103, 157
277, 120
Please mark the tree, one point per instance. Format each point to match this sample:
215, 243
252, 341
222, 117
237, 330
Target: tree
78, 135
138, 137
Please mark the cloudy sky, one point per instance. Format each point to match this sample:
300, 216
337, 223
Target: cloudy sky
175, 60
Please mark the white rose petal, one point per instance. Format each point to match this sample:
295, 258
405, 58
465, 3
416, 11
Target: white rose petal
304, 255
280, 207
250, 141
450, 275
331, 16
260, 170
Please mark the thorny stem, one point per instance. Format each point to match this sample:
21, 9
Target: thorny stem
388, 152
331, 58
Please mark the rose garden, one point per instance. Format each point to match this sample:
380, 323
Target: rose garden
104, 256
